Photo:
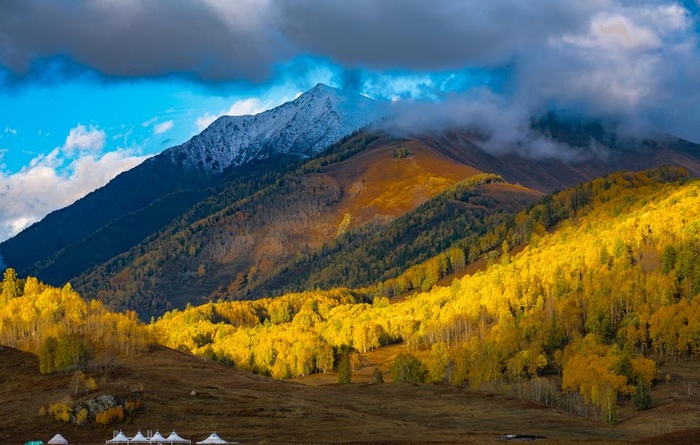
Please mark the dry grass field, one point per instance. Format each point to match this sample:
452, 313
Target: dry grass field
378, 185
254, 409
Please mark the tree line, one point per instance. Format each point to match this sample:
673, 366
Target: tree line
63, 329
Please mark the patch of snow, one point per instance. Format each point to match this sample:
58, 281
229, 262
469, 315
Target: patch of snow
305, 126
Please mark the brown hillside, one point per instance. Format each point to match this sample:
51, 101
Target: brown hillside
253, 409
376, 184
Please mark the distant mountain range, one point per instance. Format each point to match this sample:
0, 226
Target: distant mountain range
302, 195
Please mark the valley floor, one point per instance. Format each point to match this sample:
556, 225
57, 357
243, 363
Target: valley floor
253, 409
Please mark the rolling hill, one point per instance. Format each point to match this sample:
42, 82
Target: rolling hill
584, 318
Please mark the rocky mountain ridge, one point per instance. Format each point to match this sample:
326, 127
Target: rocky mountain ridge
304, 127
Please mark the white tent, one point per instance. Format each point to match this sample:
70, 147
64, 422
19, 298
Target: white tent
138, 438
158, 438
58, 440
174, 438
214, 439
119, 438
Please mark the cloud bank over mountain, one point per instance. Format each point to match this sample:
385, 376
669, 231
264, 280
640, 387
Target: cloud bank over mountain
639, 60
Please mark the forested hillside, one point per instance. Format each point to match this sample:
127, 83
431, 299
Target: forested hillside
61, 327
461, 223
234, 231
597, 301
248, 240
604, 289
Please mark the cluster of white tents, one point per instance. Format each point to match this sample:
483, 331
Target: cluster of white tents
157, 438
214, 439
58, 440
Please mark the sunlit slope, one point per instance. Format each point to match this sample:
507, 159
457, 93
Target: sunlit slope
388, 179
393, 178
593, 236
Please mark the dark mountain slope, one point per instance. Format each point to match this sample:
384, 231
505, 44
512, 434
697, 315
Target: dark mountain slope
134, 191
129, 229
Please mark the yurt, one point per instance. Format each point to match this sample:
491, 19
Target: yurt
119, 438
58, 440
138, 438
158, 438
214, 439
174, 438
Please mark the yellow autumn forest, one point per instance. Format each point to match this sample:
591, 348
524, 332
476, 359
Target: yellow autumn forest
580, 316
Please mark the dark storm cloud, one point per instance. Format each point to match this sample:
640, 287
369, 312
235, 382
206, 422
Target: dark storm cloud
219, 40
635, 61
416, 34
132, 38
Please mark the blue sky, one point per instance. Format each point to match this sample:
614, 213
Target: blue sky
91, 88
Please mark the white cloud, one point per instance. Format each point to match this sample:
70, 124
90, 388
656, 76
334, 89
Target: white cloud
634, 62
150, 121
642, 28
9, 130
615, 31
57, 179
501, 127
252, 105
163, 127
82, 138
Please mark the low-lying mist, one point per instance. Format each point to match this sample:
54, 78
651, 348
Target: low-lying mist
502, 128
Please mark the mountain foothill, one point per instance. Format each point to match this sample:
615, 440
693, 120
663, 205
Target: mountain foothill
314, 241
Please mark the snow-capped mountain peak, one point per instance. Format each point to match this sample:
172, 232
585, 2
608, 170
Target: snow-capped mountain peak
305, 126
